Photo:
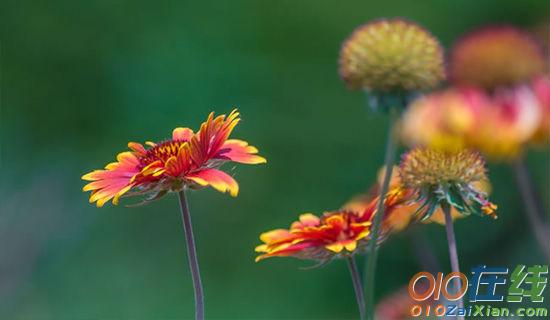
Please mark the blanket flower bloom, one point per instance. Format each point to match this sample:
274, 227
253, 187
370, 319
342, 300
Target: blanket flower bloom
187, 160
442, 120
508, 123
336, 234
443, 178
496, 56
499, 124
391, 55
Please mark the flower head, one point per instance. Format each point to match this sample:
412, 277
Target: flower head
443, 178
507, 123
391, 55
496, 56
187, 160
499, 124
336, 234
442, 120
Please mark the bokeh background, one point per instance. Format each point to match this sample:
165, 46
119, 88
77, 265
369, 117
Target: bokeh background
81, 78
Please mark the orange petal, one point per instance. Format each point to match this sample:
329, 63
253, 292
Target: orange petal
309, 219
275, 235
137, 148
240, 151
218, 179
335, 247
351, 246
184, 134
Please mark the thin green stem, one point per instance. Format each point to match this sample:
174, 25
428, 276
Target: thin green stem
192, 257
357, 286
533, 208
371, 261
451, 240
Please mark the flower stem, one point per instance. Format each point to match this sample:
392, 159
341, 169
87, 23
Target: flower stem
452, 249
357, 286
192, 257
533, 208
371, 261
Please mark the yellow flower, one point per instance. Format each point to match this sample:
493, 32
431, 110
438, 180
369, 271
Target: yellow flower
391, 55
496, 56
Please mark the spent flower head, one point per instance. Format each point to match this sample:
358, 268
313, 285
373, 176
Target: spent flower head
496, 56
188, 159
400, 206
446, 179
389, 55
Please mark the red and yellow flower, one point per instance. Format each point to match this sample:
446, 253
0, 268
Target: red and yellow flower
187, 160
336, 234
442, 120
507, 124
499, 124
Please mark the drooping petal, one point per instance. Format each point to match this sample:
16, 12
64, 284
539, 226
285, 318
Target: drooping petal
285, 250
218, 179
240, 151
275, 235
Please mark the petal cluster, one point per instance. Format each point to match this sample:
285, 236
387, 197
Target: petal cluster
391, 55
499, 124
496, 56
188, 159
335, 234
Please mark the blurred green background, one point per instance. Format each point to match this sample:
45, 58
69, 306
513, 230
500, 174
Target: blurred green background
81, 78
